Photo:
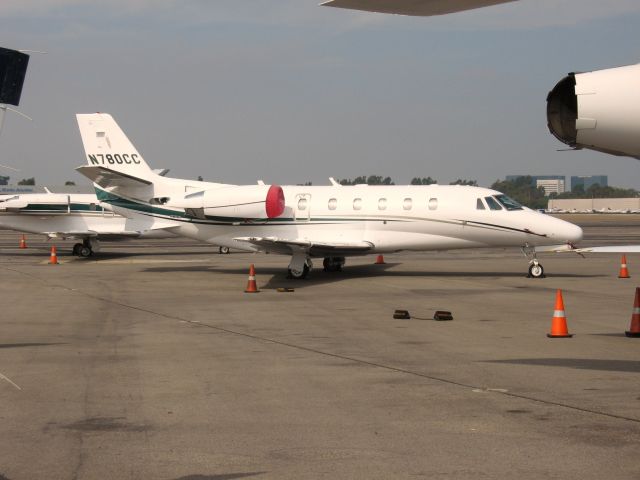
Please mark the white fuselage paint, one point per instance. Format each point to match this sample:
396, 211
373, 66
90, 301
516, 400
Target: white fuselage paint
391, 218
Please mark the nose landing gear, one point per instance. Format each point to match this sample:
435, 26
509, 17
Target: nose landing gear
535, 267
535, 270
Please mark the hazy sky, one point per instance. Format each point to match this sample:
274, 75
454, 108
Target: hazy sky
286, 91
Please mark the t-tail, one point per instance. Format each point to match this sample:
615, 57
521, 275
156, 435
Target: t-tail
113, 163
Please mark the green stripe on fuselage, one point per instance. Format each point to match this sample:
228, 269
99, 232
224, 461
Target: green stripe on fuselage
180, 215
62, 208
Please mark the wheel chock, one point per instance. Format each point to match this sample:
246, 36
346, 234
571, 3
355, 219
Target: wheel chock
285, 290
402, 315
442, 315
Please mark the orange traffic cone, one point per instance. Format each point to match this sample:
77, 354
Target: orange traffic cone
634, 329
624, 272
380, 260
53, 260
559, 320
251, 284
23, 242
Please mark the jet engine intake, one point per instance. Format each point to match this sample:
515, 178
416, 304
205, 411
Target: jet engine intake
598, 110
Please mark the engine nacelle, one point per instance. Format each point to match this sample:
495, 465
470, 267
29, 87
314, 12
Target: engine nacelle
246, 202
599, 110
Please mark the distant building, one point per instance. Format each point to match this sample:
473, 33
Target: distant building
550, 183
589, 180
551, 186
17, 189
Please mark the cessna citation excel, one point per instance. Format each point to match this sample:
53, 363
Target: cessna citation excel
305, 222
79, 216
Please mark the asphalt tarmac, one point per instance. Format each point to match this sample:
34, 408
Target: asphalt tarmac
150, 362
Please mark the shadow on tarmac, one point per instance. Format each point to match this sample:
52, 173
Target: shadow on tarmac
279, 277
632, 366
20, 345
225, 476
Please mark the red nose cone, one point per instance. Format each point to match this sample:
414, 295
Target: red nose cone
275, 201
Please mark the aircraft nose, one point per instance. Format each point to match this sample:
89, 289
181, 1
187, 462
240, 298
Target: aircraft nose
568, 232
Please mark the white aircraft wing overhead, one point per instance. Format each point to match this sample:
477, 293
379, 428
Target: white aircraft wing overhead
424, 8
610, 249
316, 249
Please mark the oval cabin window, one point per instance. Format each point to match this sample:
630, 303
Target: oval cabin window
333, 204
357, 203
382, 204
433, 203
302, 204
407, 204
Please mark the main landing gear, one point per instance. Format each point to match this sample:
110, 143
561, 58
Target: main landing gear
299, 267
86, 248
535, 267
223, 250
333, 264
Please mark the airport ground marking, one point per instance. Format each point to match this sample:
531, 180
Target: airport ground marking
4, 377
476, 388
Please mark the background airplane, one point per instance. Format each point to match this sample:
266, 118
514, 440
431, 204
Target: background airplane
306, 222
72, 216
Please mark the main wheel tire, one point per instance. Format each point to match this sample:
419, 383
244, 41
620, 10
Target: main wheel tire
536, 271
85, 251
76, 249
223, 250
299, 275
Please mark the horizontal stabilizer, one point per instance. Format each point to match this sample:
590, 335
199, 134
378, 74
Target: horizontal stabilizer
109, 178
424, 8
318, 249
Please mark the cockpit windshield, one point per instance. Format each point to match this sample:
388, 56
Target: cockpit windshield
493, 203
508, 203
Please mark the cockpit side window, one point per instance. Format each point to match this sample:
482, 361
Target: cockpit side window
493, 203
508, 203
480, 205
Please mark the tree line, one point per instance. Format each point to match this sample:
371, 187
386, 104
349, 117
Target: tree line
380, 180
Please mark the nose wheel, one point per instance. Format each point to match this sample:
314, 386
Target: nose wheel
535, 270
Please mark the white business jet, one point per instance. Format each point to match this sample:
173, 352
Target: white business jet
305, 222
77, 216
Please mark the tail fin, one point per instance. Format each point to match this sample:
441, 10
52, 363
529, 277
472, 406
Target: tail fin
112, 159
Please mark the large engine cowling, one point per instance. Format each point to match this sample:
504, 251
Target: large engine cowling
244, 202
599, 110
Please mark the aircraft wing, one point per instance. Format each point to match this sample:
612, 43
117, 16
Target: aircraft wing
566, 247
609, 249
93, 234
423, 8
314, 249
110, 233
